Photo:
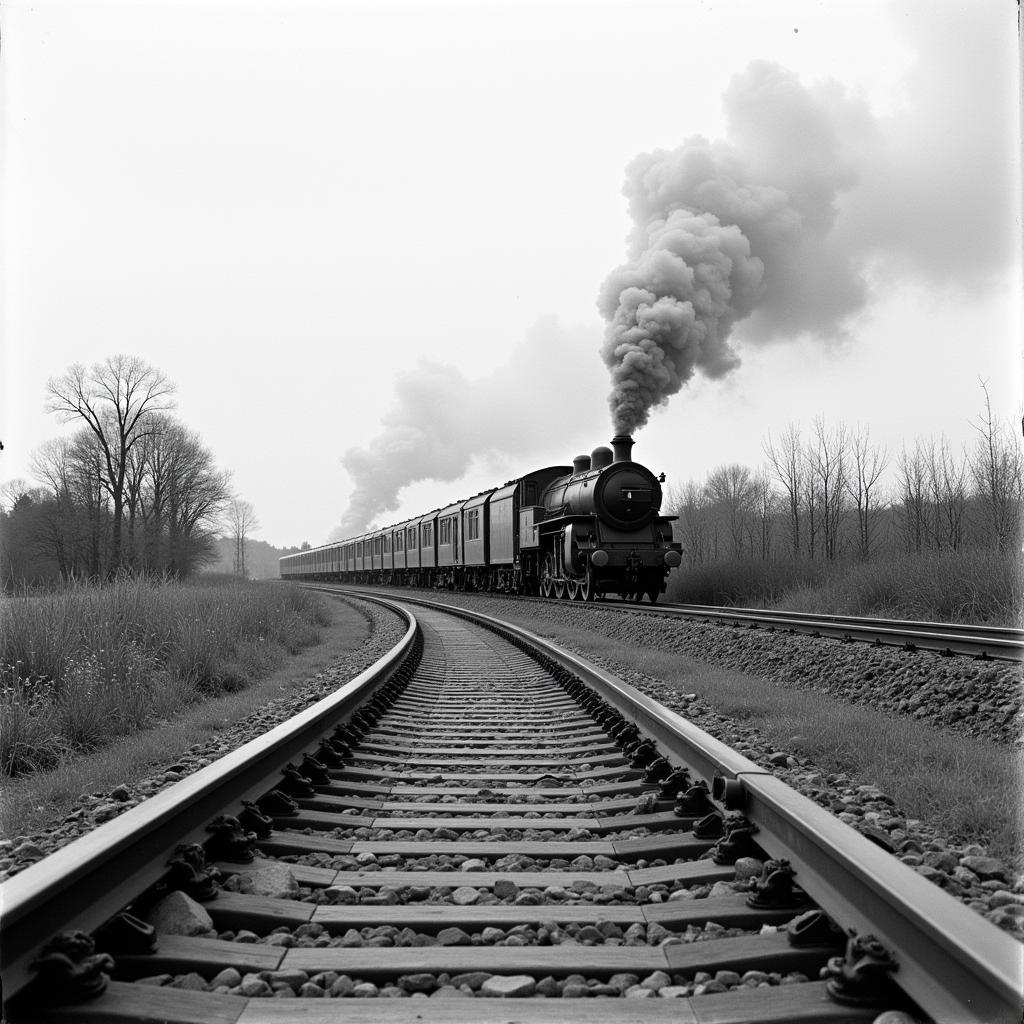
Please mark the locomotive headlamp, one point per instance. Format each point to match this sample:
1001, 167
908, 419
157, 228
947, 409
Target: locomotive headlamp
600, 558
672, 559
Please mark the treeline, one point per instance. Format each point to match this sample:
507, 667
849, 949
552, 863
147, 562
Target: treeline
832, 496
132, 490
260, 560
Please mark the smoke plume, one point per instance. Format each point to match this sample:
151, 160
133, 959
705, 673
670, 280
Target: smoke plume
727, 228
443, 423
811, 198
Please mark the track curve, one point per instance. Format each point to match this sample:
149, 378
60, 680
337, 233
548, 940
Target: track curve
481, 784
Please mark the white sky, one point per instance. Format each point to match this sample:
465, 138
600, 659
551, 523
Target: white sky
280, 204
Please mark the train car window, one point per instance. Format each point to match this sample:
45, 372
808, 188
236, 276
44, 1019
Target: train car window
473, 525
530, 497
446, 531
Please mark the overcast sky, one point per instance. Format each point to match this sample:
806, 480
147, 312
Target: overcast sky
368, 240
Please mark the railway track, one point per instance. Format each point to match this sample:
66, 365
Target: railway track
986, 642
483, 814
949, 638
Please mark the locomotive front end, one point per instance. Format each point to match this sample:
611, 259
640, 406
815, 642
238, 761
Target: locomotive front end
603, 528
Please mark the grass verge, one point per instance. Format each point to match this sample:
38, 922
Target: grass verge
82, 665
970, 586
36, 802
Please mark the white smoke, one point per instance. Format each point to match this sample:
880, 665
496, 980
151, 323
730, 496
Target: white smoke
724, 229
442, 422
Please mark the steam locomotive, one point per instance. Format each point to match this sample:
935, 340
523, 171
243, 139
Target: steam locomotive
577, 532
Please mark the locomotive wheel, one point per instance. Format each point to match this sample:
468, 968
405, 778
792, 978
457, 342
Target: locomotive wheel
572, 590
653, 594
559, 587
588, 590
547, 573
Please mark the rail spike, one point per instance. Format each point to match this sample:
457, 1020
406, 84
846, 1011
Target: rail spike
70, 970
190, 872
863, 976
738, 840
254, 820
229, 841
774, 889
294, 783
696, 800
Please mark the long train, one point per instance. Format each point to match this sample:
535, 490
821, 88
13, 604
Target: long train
577, 532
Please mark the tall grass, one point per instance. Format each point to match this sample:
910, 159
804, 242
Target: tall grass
83, 664
945, 586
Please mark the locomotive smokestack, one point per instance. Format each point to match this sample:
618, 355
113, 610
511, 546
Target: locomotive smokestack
622, 444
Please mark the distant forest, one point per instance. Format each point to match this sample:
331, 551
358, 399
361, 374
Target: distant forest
260, 558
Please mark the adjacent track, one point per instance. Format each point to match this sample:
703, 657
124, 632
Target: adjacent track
946, 637
483, 789
995, 642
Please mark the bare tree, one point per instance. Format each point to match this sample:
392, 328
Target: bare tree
766, 505
180, 497
868, 463
912, 484
787, 463
113, 398
53, 465
689, 502
11, 491
947, 484
998, 471
810, 501
242, 517
196, 495
828, 460
730, 492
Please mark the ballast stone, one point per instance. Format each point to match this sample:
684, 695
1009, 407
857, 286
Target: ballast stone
179, 914
985, 868
274, 880
509, 986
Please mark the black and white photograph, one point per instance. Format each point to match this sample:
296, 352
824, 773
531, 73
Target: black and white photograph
509, 509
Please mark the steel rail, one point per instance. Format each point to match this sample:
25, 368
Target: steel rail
996, 642
954, 638
958, 967
84, 884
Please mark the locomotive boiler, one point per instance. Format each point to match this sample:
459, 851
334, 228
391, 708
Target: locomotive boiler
575, 532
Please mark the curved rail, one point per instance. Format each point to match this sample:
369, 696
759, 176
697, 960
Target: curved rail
986, 642
949, 638
85, 883
955, 965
